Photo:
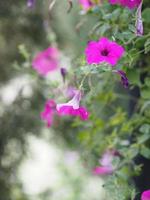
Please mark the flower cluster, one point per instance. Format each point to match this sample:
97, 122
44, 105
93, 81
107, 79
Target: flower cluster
102, 51
46, 61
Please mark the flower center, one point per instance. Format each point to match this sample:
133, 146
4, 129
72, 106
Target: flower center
104, 52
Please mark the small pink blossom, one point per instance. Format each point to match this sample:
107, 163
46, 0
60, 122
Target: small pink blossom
49, 112
100, 170
46, 61
73, 107
145, 195
103, 50
106, 162
86, 4
131, 4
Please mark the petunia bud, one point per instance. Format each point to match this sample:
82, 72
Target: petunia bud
63, 72
124, 79
139, 22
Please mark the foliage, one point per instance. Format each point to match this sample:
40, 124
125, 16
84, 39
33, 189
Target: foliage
119, 117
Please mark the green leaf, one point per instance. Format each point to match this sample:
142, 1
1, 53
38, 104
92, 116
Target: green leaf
145, 15
145, 128
147, 81
147, 46
117, 119
84, 136
143, 138
104, 28
133, 76
23, 51
145, 93
145, 152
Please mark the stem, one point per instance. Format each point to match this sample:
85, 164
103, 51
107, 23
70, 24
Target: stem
81, 84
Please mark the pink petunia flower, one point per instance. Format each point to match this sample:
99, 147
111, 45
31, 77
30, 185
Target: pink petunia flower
131, 4
145, 195
86, 4
103, 170
106, 162
73, 107
46, 61
103, 50
49, 112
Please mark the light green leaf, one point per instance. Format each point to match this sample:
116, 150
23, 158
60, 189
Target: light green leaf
145, 152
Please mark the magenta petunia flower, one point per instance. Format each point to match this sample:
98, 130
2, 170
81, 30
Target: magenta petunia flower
103, 50
131, 4
145, 195
86, 4
124, 79
100, 170
73, 107
49, 112
46, 61
106, 162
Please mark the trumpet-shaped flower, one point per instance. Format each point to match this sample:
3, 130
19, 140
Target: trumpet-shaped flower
103, 50
106, 162
48, 113
70, 91
46, 61
145, 195
131, 4
73, 107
